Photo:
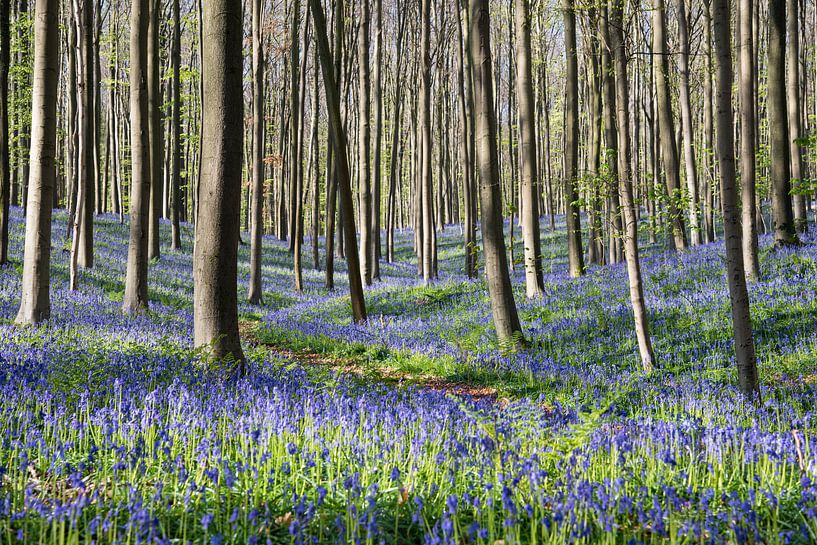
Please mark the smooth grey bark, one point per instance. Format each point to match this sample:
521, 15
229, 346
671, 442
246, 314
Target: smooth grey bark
255, 291
466, 150
364, 145
85, 249
571, 144
294, 122
616, 245
176, 157
341, 162
746, 90
426, 192
377, 164
155, 130
503, 306
782, 211
793, 100
5, 163
136, 283
35, 304
215, 261
529, 177
669, 152
642, 326
738, 292
686, 123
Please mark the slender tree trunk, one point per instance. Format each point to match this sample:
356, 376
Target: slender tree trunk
364, 145
215, 262
534, 282
426, 189
155, 131
747, 140
782, 212
503, 306
571, 145
738, 293
176, 158
316, 181
255, 291
686, 124
35, 304
341, 162
136, 282
5, 163
793, 99
642, 326
669, 153
85, 257
709, 145
375, 246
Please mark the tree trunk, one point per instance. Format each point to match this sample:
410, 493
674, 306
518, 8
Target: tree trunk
215, 263
794, 113
375, 251
5, 163
35, 305
503, 306
534, 282
85, 250
155, 131
686, 124
669, 153
747, 141
255, 291
176, 159
782, 212
136, 284
364, 146
642, 326
571, 144
738, 293
341, 162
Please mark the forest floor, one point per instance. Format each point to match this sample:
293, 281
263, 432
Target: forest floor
416, 427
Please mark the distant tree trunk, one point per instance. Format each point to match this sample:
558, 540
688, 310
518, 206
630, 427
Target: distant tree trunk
155, 113
426, 189
35, 305
215, 262
747, 140
85, 250
795, 112
642, 326
176, 159
364, 145
782, 212
5, 164
571, 146
534, 282
316, 180
709, 145
396, 150
341, 162
503, 306
616, 247
738, 293
686, 124
255, 291
669, 153
375, 246
136, 282
294, 119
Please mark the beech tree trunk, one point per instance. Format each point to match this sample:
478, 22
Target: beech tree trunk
779, 148
136, 283
5, 163
35, 304
628, 203
341, 162
571, 145
534, 283
503, 306
215, 261
793, 100
85, 249
255, 291
364, 146
738, 293
686, 124
176, 157
747, 141
429, 249
669, 152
